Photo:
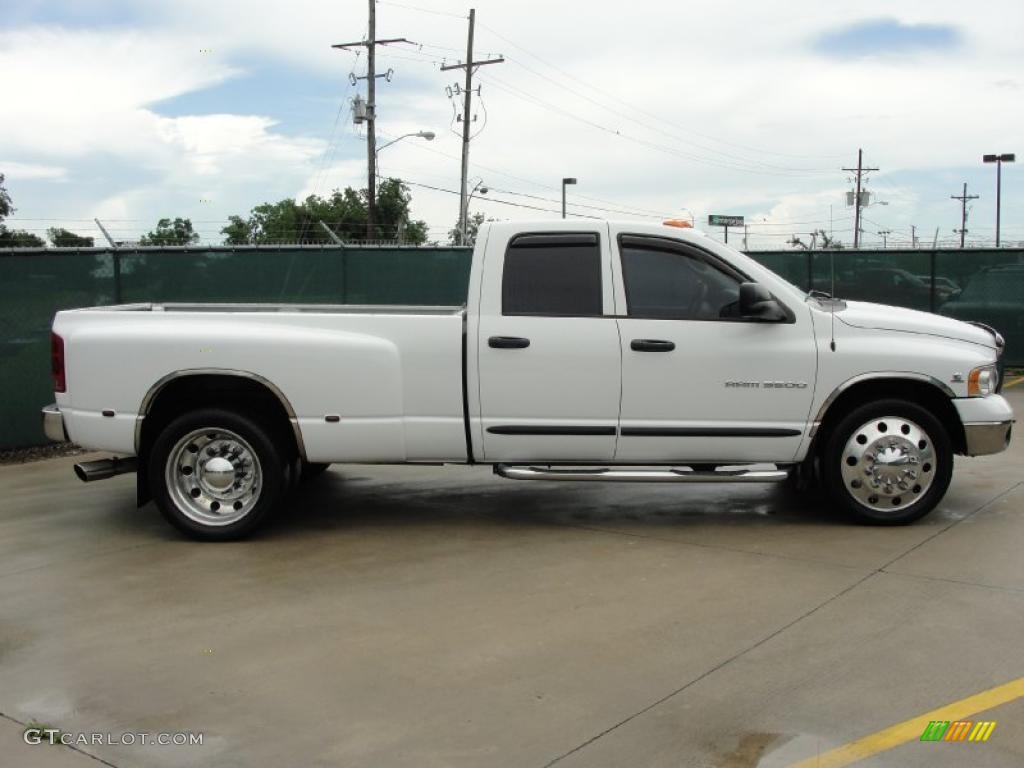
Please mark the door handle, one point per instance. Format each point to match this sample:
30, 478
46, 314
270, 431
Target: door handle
651, 345
508, 342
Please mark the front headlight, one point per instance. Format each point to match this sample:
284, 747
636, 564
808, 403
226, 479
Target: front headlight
982, 381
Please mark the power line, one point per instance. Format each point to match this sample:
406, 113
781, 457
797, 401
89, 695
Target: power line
619, 112
494, 199
635, 108
636, 140
421, 10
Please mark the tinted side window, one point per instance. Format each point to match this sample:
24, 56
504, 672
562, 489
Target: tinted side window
668, 283
552, 275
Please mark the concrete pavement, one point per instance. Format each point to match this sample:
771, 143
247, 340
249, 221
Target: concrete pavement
443, 617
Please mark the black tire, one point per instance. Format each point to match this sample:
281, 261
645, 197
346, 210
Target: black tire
269, 480
915, 441
311, 470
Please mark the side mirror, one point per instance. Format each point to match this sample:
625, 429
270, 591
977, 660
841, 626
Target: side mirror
756, 303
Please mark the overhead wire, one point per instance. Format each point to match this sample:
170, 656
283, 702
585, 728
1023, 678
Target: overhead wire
636, 108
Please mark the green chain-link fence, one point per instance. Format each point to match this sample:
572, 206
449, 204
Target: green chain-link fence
34, 283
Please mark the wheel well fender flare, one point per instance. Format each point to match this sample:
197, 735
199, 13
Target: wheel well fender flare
152, 398
921, 388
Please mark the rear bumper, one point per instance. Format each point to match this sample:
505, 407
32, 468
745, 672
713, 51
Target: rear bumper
53, 424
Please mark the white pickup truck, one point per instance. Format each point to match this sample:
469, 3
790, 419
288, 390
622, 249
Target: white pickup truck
594, 351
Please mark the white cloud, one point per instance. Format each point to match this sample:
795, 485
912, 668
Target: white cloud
719, 107
18, 171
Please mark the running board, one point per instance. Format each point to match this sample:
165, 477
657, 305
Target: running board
656, 475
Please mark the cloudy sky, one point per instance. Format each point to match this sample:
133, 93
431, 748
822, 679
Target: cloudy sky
132, 111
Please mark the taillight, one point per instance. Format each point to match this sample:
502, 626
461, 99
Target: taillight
60, 383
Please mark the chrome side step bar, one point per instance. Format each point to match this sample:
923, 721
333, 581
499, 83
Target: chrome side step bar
101, 469
639, 475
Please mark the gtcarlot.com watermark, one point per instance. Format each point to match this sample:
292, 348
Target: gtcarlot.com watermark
141, 738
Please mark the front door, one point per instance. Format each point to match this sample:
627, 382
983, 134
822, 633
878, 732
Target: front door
698, 382
548, 347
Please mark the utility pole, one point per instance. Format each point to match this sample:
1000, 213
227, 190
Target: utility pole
370, 43
913, 236
860, 170
963, 212
884, 233
467, 117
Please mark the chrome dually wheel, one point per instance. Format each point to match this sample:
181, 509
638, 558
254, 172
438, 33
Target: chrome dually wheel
888, 463
214, 476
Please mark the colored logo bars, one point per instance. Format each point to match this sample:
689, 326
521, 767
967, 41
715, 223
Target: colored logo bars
958, 730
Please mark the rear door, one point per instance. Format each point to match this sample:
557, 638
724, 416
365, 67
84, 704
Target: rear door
698, 382
548, 347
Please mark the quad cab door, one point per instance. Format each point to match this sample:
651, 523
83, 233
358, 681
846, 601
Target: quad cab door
699, 382
547, 346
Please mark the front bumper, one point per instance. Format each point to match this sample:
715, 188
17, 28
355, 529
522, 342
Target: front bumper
988, 422
53, 424
987, 437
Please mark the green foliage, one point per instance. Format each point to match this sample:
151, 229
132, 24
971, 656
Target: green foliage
63, 238
14, 238
6, 207
472, 230
178, 232
19, 238
344, 212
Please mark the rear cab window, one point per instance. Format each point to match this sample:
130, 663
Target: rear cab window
553, 275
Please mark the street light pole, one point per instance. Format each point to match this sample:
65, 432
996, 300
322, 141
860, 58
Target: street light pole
428, 135
1006, 157
565, 182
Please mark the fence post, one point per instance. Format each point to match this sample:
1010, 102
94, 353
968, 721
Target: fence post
344, 274
931, 292
117, 275
810, 271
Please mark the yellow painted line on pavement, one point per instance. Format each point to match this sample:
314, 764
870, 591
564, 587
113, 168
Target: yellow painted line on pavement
911, 730
1013, 382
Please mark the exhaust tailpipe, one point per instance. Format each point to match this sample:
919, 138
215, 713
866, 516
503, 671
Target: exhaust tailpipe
101, 469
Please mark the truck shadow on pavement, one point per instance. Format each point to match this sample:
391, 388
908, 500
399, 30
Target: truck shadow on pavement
353, 498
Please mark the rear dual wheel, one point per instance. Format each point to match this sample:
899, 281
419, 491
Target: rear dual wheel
216, 474
888, 462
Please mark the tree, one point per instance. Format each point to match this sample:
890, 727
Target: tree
13, 238
472, 230
63, 238
288, 221
818, 236
6, 208
237, 232
19, 238
178, 232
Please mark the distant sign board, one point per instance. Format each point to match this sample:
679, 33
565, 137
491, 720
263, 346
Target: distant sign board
716, 220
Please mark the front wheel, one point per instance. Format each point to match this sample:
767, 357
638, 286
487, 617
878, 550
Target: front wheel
888, 462
216, 474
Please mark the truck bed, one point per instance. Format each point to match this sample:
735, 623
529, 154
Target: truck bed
392, 375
